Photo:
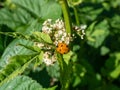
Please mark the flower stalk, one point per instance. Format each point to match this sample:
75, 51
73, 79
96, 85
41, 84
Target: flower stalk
66, 14
76, 15
65, 73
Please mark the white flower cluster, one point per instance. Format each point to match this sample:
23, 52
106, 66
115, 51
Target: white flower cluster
48, 58
56, 31
81, 30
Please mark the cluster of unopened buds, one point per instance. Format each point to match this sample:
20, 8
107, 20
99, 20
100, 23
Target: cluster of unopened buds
61, 39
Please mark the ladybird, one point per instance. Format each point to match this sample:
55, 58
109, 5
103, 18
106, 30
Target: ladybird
62, 48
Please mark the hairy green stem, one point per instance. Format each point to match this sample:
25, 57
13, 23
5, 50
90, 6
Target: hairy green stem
64, 68
66, 14
64, 73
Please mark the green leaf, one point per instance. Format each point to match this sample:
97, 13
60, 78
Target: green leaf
74, 2
14, 19
13, 49
50, 9
16, 66
112, 66
99, 34
52, 88
39, 60
53, 70
42, 37
108, 87
33, 47
41, 8
21, 83
65, 72
31, 6
79, 70
89, 13
104, 50
67, 57
90, 29
116, 72
115, 22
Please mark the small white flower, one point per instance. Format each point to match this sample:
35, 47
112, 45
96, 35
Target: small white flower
60, 41
64, 34
81, 36
59, 24
60, 32
39, 45
48, 61
83, 32
56, 35
83, 27
62, 38
47, 22
56, 43
48, 58
46, 29
76, 27
54, 58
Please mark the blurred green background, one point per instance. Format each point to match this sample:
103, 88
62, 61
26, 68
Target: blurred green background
97, 58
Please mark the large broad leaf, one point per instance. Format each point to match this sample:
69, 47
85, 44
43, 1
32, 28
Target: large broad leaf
29, 9
108, 87
21, 83
116, 22
88, 13
41, 8
13, 49
50, 9
15, 18
42, 37
97, 36
104, 50
16, 65
112, 66
53, 70
31, 6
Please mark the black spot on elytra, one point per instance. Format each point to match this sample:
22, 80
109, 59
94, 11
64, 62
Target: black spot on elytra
61, 45
59, 49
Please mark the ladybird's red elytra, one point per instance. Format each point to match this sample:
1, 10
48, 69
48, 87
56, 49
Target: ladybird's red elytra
62, 48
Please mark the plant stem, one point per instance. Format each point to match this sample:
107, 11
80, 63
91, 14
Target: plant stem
64, 73
76, 15
64, 68
66, 14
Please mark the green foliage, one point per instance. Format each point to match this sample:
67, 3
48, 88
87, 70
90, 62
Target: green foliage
17, 17
23, 83
14, 49
40, 8
98, 35
42, 37
15, 66
113, 61
91, 64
